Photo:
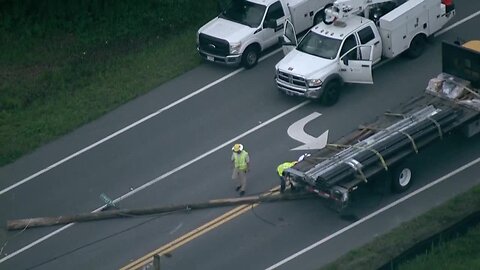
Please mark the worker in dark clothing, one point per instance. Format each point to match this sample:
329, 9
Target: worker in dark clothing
281, 173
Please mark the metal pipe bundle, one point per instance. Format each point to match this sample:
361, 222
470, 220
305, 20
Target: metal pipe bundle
375, 138
387, 143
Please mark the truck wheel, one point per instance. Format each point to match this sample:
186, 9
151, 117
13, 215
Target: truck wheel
401, 179
250, 57
417, 46
330, 94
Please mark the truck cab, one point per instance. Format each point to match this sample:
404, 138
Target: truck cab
326, 57
247, 27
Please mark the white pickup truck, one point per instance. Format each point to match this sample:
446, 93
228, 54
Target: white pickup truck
247, 27
354, 35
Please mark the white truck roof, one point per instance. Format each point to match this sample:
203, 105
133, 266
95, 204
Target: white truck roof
340, 29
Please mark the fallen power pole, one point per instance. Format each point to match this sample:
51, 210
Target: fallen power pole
21, 224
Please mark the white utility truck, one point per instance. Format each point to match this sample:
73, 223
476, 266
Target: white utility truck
247, 27
353, 36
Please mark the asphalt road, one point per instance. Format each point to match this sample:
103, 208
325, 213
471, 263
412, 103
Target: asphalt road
181, 154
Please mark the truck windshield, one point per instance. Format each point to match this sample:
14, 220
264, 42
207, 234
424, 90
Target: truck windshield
319, 45
244, 12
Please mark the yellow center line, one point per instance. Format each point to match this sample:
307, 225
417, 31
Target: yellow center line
148, 258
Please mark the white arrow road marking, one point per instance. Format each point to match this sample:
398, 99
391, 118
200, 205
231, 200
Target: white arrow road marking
297, 132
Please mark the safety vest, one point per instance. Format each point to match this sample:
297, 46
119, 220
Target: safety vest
282, 167
240, 160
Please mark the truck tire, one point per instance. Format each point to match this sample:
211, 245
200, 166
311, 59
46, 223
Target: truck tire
417, 46
250, 57
330, 94
401, 178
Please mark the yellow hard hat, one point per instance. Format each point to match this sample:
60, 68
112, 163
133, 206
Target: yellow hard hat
237, 147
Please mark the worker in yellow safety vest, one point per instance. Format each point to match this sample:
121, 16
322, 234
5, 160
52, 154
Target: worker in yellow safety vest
281, 173
241, 163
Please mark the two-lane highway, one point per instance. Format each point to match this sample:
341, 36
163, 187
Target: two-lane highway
173, 146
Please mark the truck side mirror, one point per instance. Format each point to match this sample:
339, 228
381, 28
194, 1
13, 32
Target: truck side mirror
271, 23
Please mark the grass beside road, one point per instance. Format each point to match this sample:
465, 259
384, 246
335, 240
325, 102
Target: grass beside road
65, 63
461, 253
384, 248
58, 101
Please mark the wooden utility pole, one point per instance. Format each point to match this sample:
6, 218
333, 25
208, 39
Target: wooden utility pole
20, 224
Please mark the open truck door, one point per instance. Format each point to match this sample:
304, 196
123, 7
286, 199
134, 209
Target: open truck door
289, 38
356, 65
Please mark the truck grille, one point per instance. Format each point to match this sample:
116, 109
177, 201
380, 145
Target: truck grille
213, 45
292, 79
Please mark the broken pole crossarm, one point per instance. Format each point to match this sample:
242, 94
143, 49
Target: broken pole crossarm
20, 224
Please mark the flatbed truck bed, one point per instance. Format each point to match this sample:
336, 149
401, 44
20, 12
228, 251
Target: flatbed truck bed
383, 144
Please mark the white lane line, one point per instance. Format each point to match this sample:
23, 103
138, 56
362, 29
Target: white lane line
456, 24
151, 182
113, 135
370, 216
38, 241
270, 54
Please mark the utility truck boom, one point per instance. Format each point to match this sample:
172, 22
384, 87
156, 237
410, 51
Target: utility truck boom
345, 8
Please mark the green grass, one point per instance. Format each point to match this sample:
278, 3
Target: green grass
65, 63
461, 253
98, 89
384, 248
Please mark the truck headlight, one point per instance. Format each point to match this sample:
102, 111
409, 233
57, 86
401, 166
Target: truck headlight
235, 48
314, 82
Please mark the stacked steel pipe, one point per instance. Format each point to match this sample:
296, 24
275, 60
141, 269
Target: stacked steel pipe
418, 129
